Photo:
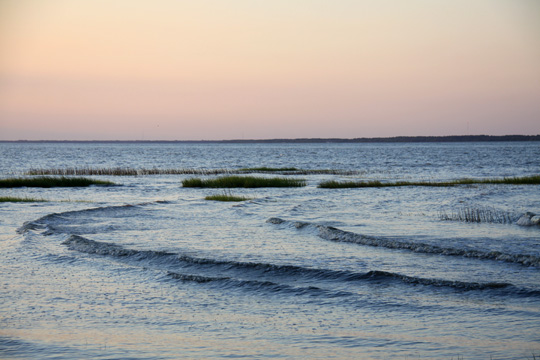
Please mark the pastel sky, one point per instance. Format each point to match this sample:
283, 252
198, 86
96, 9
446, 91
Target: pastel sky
260, 69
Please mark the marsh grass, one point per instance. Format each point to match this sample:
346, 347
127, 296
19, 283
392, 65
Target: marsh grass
49, 182
479, 215
125, 171
268, 169
296, 171
227, 196
17, 199
243, 182
525, 180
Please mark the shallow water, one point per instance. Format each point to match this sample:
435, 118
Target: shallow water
151, 270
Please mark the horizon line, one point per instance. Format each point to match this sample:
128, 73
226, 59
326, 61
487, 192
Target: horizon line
423, 138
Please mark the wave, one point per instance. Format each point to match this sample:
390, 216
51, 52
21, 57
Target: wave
259, 285
333, 234
81, 244
384, 275
46, 223
245, 274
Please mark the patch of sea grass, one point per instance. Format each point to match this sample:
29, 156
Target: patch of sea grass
479, 215
126, 171
18, 199
268, 169
243, 182
295, 171
123, 171
226, 196
50, 181
516, 180
524, 180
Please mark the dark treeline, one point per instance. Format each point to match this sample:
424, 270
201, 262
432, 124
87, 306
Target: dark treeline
396, 139
403, 139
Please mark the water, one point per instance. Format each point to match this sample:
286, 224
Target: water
151, 270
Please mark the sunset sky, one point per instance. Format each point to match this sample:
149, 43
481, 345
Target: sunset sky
254, 69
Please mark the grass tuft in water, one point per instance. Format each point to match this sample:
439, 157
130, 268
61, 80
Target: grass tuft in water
525, 180
17, 199
479, 215
49, 182
243, 182
226, 196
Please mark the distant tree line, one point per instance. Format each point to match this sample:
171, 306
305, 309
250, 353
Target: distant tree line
401, 139
396, 139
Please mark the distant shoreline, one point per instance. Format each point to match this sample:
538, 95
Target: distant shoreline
396, 139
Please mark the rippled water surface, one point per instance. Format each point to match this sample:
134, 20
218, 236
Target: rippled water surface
149, 269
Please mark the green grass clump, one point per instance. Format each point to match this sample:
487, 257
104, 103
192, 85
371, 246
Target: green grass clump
294, 171
226, 196
16, 199
525, 180
332, 184
269, 169
516, 180
49, 182
221, 197
243, 182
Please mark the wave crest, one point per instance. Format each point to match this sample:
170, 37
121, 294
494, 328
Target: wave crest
333, 234
252, 275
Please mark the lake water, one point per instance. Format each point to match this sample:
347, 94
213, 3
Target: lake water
151, 270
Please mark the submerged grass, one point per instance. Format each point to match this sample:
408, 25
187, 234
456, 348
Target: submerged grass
525, 180
17, 199
49, 182
243, 182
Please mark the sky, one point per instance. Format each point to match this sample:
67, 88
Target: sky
256, 69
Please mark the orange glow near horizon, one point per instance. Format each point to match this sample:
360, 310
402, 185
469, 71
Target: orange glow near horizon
215, 69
